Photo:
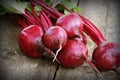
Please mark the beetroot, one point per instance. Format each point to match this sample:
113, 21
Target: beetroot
71, 54
72, 24
28, 38
55, 37
107, 56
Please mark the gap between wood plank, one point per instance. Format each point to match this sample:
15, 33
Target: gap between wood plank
106, 21
55, 72
78, 2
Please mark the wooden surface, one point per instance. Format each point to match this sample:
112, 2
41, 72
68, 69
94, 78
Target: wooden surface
14, 65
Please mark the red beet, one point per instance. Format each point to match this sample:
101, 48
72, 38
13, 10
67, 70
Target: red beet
28, 38
55, 37
72, 54
107, 56
72, 24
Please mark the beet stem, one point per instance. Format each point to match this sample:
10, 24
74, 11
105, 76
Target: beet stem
47, 19
93, 66
50, 14
93, 34
35, 15
46, 23
19, 21
46, 6
92, 26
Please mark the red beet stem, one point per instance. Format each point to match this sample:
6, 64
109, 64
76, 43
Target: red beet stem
93, 66
93, 34
46, 23
50, 14
93, 26
20, 22
47, 19
42, 21
64, 7
35, 15
29, 17
45, 6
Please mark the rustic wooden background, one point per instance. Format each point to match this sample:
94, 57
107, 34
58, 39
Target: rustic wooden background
14, 65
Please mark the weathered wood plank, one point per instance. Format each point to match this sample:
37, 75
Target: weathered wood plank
113, 22
98, 12
14, 65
